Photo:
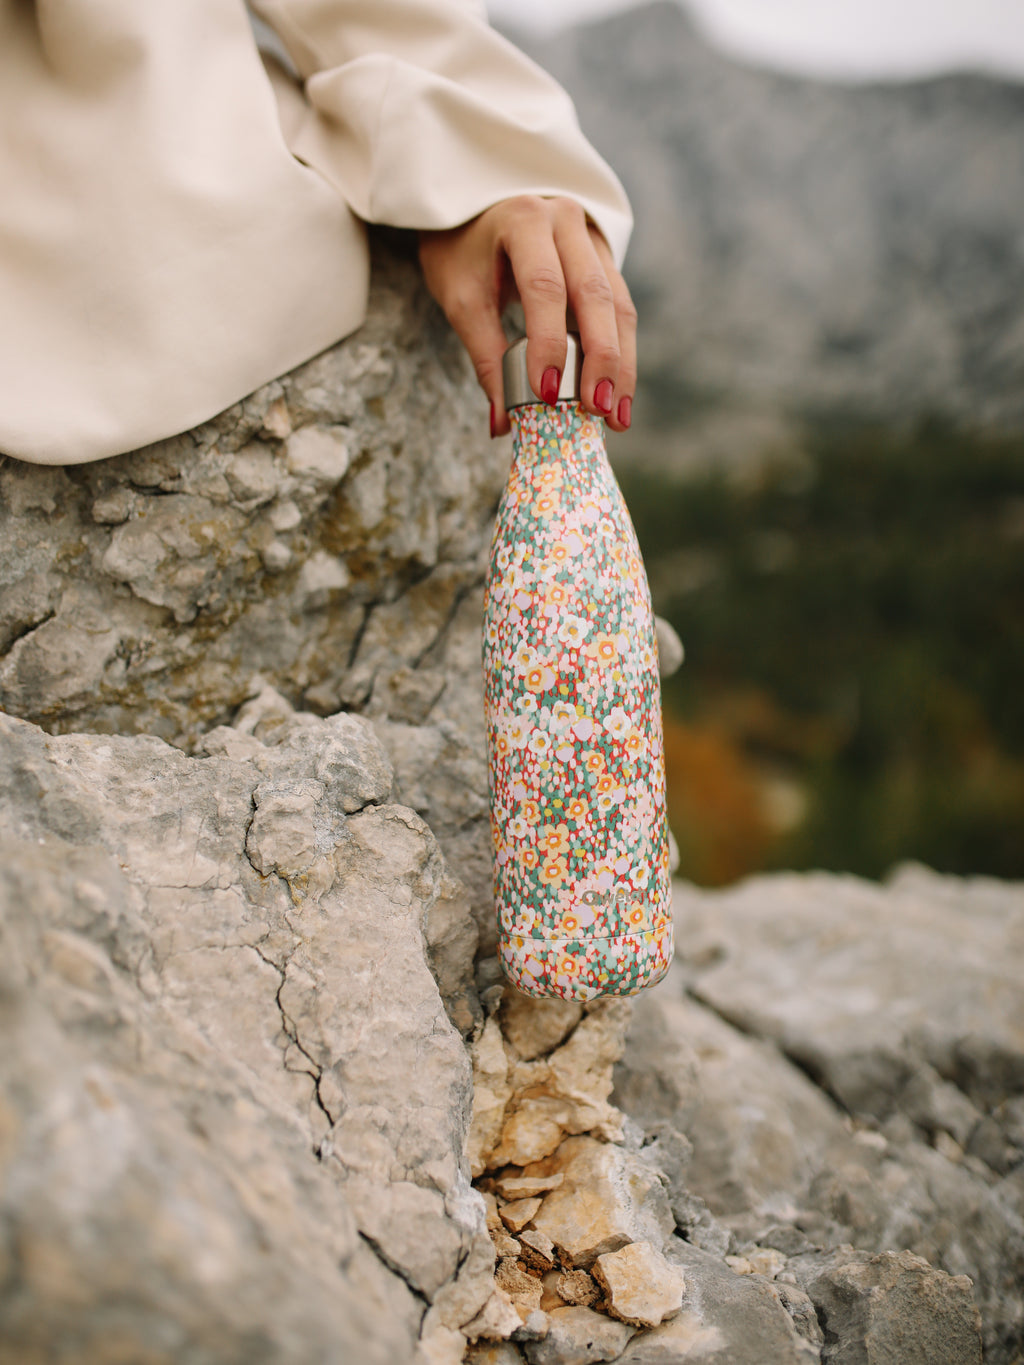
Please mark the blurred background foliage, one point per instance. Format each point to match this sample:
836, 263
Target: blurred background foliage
854, 625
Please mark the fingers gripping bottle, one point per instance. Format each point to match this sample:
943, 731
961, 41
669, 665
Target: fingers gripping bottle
573, 707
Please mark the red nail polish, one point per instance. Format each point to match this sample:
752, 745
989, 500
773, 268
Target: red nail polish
551, 382
625, 411
603, 396
494, 423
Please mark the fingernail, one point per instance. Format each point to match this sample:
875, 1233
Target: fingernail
550, 383
625, 411
603, 396
494, 423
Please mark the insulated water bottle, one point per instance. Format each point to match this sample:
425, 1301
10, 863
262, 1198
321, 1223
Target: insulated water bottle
573, 706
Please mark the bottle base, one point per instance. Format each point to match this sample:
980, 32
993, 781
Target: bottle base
585, 968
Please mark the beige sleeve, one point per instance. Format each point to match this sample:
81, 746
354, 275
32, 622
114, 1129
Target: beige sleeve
423, 116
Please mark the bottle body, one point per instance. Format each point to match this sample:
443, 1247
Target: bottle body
573, 707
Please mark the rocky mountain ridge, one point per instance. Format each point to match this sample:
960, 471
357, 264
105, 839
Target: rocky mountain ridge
806, 249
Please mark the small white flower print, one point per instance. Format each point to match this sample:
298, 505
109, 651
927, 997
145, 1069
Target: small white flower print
518, 731
540, 743
618, 722
524, 658
573, 630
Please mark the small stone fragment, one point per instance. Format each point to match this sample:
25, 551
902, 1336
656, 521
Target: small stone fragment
609, 1199
642, 1287
551, 1297
534, 1327
491, 1211
496, 1321
504, 1243
739, 1265
800, 1308
524, 1290
578, 1336
765, 1260
536, 1250
526, 1186
516, 1215
492, 1353
577, 1288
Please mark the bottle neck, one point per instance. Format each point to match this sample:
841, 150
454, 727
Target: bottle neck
544, 433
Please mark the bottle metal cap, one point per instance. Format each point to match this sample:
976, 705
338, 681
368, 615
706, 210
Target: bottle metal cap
517, 386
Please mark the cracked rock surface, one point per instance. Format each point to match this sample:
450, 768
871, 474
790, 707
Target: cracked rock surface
846, 1060
234, 1106
321, 534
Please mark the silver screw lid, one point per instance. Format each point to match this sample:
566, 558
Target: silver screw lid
517, 386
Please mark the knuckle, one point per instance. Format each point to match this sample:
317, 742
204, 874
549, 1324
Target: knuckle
606, 354
527, 206
568, 210
465, 302
625, 311
595, 288
547, 283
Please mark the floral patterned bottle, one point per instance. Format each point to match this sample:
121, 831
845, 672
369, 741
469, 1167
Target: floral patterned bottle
573, 707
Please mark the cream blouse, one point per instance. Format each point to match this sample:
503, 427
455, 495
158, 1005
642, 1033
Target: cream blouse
178, 225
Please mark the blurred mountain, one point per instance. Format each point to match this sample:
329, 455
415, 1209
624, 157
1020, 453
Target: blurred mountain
803, 249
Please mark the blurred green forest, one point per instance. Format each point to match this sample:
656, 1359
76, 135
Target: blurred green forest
853, 693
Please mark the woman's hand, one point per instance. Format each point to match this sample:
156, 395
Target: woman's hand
546, 253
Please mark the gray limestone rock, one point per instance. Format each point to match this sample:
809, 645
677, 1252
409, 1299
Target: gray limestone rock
726, 1319
320, 535
226, 1052
803, 245
579, 1336
899, 1004
889, 995
608, 1199
892, 1308
818, 995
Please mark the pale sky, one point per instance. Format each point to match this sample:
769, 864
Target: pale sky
844, 39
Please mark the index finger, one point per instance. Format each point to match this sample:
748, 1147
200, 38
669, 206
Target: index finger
540, 281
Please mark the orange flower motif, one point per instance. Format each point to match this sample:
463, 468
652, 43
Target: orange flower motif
568, 925
554, 872
559, 552
547, 505
568, 966
530, 811
557, 593
636, 915
578, 810
606, 783
529, 857
603, 650
634, 743
540, 678
502, 746
594, 761
554, 839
